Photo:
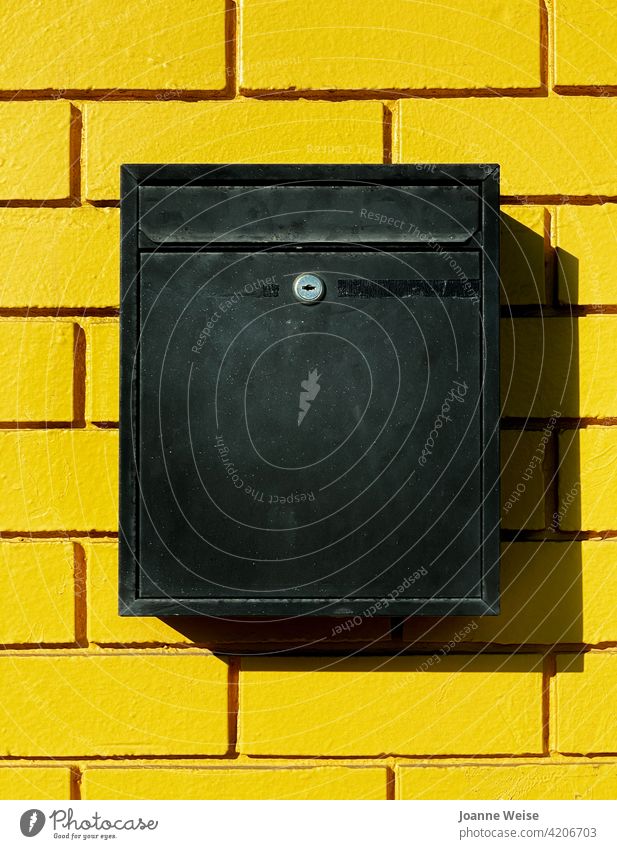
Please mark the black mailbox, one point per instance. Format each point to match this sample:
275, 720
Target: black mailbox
309, 390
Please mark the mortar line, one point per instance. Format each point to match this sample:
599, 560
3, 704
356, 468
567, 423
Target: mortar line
387, 134
80, 591
75, 145
548, 672
233, 693
79, 376
545, 65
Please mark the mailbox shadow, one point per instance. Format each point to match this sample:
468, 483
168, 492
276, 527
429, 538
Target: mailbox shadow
542, 555
541, 564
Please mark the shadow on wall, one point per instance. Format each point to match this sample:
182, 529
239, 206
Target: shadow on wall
541, 566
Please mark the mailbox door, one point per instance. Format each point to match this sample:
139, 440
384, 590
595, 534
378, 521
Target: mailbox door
309, 457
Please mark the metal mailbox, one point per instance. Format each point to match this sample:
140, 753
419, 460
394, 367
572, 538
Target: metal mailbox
309, 390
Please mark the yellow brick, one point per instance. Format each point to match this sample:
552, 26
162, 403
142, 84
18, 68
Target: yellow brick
58, 480
551, 592
34, 141
102, 375
104, 623
583, 703
550, 145
522, 255
596, 780
105, 626
86, 44
369, 706
327, 782
29, 782
559, 366
236, 131
38, 591
586, 241
60, 257
587, 479
291, 44
522, 479
584, 33
125, 704
36, 371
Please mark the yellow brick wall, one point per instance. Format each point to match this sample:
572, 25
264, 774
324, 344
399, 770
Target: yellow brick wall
515, 706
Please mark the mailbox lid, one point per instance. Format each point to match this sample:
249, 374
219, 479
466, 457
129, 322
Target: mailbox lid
168, 291
293, 212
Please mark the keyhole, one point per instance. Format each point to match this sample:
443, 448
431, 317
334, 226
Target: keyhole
308, 288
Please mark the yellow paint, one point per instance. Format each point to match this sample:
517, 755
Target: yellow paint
545, 146
34, 145
74, 702
36, 370
236, 131
583, 35
501, 781
559, 367
31, 782
121, 704
586, 242
105, 625
587, 478
82, 44
60, 257
551, 593
38, 578
370, 706
522, 255
102, 370
291, 44
58, 480
327, 782
582, 704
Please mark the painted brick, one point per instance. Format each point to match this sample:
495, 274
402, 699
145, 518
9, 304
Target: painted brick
102, 370
28, 782
371, 706
290, 44
58, 480
38, 579
125, 704
522, 479
34, 140
582, 704
325, 782
587, 478
596, 780
586, 242
141, 45
105, 626
237, 131
36, 370
559, 366
544, 145
583, 35
523, 237
60, 257
551, 592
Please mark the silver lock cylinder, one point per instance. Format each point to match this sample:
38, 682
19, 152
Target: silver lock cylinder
308, 288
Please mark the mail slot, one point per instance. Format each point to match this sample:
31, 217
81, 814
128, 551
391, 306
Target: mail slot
309, 390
